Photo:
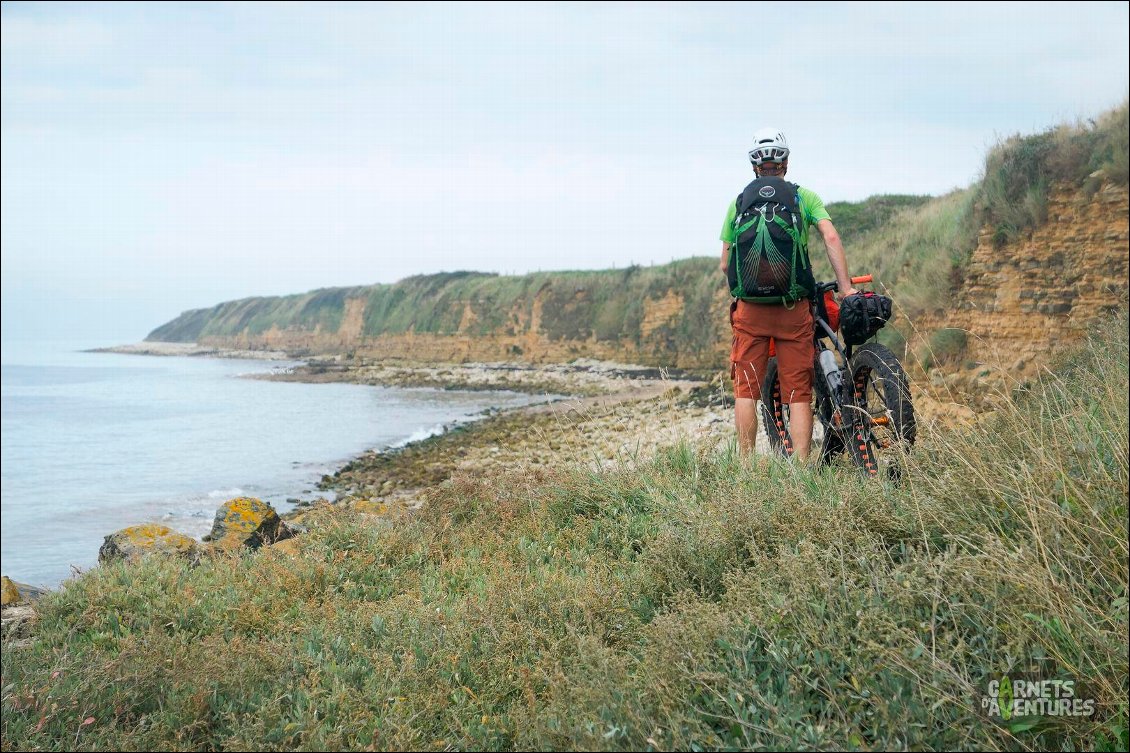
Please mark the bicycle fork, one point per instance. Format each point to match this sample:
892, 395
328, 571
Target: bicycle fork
829, 403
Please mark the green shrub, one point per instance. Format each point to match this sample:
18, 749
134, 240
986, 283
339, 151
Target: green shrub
1112, 151
946, 346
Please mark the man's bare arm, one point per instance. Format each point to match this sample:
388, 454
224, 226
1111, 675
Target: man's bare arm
836, 256
724, 265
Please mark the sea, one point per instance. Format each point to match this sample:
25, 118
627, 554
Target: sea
96, 442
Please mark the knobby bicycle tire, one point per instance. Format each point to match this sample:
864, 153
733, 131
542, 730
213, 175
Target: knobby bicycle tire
775, 417
881, 391
883, 423
775, 413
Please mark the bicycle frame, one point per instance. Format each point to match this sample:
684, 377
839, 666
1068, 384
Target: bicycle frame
845, 424
831, 404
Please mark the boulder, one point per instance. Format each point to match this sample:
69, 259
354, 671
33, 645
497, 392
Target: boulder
17, 613
11, 593
16, 622
289, 548
246, 521
149, 538
20, 593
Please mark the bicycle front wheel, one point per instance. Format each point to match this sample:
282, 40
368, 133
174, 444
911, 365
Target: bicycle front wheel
883, 420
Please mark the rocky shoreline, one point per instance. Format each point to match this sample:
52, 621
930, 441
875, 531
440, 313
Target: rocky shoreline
601, 414
192, 349
580, 377
598, 415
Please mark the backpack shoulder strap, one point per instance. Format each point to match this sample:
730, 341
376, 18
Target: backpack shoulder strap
801, 208
744, 198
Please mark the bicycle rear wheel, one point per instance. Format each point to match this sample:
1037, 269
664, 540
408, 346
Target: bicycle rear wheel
775, 413
883, 423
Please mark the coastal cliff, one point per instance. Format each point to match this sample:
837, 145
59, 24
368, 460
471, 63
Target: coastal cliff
673, 315
1013, 301
1021, 263
666, 315
1022, 299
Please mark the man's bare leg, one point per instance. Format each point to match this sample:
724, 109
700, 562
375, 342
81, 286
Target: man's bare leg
745, 418
800, 428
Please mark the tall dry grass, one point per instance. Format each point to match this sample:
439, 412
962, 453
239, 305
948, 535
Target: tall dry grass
1012, 194
695, 601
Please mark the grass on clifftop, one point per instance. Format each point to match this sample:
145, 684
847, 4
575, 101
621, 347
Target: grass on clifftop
916, 255
1013, 193
691, 602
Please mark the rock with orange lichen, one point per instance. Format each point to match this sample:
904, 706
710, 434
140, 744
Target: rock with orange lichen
11, 594
149, 538
371, 507
17, 613
246, 522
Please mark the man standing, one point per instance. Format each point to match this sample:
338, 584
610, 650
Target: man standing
765, 257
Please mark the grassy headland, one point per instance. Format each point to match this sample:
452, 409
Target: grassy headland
607, 306
690, 601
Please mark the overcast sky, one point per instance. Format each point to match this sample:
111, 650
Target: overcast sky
159, 157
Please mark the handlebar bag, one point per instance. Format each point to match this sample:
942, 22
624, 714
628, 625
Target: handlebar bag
862, 315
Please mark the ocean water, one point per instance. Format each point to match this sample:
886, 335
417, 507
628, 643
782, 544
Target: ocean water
95, 442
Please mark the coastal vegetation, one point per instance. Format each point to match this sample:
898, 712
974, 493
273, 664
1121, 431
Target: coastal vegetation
689, 601
1013, 194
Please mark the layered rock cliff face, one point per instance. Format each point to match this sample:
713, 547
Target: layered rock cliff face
673, 316
1023, 300
526, 340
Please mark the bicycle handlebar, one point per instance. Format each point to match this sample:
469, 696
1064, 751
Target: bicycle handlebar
824, 287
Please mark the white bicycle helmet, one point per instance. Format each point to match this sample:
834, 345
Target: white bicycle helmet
769, 145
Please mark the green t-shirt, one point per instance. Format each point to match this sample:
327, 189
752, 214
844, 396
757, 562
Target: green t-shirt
811, 210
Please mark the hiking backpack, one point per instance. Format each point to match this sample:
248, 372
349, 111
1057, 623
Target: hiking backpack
769, 256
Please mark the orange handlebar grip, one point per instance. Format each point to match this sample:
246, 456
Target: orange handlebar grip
861, 279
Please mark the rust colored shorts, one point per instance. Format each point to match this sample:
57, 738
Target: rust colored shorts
753, 325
